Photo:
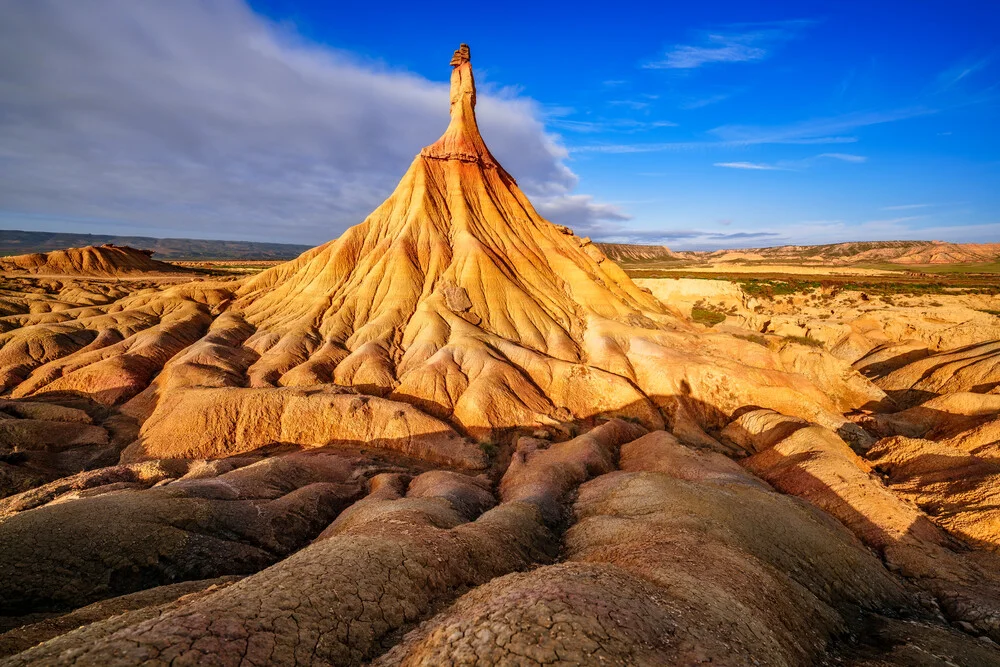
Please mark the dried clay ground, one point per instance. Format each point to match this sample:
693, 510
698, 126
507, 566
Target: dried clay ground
460, 434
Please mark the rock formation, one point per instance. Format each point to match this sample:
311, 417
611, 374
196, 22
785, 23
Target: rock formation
628, 252
905, 253
459, 434
454, 296
108, 261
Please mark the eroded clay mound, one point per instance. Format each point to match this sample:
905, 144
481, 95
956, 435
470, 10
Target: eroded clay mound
108, 261
658, 556
116, 537
975, 368
454, 304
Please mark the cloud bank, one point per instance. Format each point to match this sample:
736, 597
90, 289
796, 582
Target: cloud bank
201, 118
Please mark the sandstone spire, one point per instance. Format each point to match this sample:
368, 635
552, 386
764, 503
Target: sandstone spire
461, 141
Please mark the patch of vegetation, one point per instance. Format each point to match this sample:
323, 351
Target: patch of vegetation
753, 338
768, 286
804, 340
768, 289
707, 316
985, 268
489, 448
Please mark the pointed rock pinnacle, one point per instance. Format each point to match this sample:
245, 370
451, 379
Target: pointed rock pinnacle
461, 141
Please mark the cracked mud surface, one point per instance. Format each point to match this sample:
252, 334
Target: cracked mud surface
620, 546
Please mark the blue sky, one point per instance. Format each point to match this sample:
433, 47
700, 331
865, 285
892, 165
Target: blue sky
698, 125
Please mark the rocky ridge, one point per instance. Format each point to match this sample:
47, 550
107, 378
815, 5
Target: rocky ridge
860, 252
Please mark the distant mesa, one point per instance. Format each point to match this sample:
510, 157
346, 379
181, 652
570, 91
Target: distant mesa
16, 242
631, 252
104, 261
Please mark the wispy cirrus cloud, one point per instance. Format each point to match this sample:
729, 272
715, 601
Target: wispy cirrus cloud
747, 165
733, 43
622, 125
792, 165
894, 221
844, 157
692, 145
819, 130
804, 133
957, 73
708, 100
905, 207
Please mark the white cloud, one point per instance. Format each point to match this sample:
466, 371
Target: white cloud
793, 165
845, 157
202, 118
721, 49
734, 44
635, 105
701, 102
747, 165
893, 221
820, 130
621, 125
905, 207
959, 72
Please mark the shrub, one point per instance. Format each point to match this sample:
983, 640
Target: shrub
804, 340
707, 317
489, 448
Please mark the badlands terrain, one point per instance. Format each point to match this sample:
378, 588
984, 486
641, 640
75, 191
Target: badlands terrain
460, 434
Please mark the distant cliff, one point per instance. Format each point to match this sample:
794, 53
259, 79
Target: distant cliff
626, 252
14, 242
